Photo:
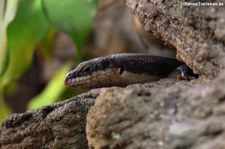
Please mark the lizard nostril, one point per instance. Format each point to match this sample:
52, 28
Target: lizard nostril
67, 78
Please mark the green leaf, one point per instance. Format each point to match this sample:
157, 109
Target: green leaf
53, 90
73, 17
25, 31
7, 14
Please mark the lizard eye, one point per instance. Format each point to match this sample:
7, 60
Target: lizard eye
86, 69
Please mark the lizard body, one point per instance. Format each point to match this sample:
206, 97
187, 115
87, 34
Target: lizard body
124, 69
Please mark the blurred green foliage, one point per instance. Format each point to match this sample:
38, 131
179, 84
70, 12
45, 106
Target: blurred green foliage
24, 24
53, 90
73, 17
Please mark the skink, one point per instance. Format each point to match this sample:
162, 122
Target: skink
124, 69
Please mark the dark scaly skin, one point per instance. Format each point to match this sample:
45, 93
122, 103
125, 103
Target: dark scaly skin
124, 69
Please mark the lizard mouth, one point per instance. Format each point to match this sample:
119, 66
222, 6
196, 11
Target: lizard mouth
106, 78
96, 78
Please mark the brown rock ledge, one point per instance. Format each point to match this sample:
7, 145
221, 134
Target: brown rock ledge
182, 116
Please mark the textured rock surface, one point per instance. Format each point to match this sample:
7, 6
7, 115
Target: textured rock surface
199, 37
184, 115
61, 125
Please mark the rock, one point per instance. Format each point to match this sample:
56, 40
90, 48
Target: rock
184, 115
60, 125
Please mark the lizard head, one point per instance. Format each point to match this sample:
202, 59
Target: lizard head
96, 72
